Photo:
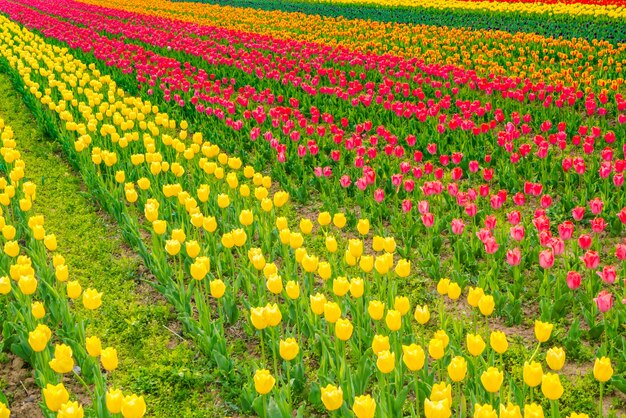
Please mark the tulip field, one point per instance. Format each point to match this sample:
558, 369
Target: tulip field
313, 208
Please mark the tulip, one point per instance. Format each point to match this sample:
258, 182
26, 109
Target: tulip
441, 335
386, 361
263, 381
109, 360
217, 288
442, 286
273, 315
393, 320
288, 349
339, 220
332, 397
474, 295
62, 361
331, 244
602, 370
436, 348
555, 357
343, 329
412, 356
27, 284
454, 291
533, 411
55, 396
293, 290
94, 346
551, 386
484, 411
71, 410
442, 392
317, 304
492, 379
380, 343
332, 312
475, 344
457, 369
364, 406
363, 226
133, 406
114, 400
422, 314
486, 305
437, 409
38, 310
532, 373
403, 268
5, 412
604, 301
38, 339
5, 285
323, 218
92, 299
510, 411
575, 415
498, 342
376, 309
543, 331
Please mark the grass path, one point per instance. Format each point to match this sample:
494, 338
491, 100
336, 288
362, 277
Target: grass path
154, 361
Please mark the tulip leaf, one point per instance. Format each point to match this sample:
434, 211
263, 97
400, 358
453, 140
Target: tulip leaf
223, 363
595, 332
619, 383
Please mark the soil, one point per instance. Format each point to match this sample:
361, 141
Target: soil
21, 389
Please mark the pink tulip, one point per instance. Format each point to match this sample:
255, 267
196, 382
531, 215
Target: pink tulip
513, 257
608, 274
591, 259
604, 301
457, 226
428, 219
584, 241
578, 213
546, 259
573, 280
517, 232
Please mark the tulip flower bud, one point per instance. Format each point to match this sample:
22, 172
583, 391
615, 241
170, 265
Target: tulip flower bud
74, 289
422, 314
532, 374
323, 218
94, 346
92, 299
402, 304
375, 309
293, 290
436, 348
341, 286
454, 291
332, 312
217, 288
363, 226
339, 220
317, 303
357, 288
38, 310
5, 285
380, 343
498, 342
486, 305
442, 286
413, 357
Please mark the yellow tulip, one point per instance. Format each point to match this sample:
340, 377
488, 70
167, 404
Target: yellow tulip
375, 309
317, 303
437, 409
551, 386
380, 343
74, 289
217, 288
331, 244
474, 295
366, 263
533, 411
498, 342
114, 400
38, 310
422, 314
475, 344
5, 285
442, 286
543, 331
510, 411
492, 379
339, 220
306, 226
133, 406
109, 359
457, 369
39, 337
486, 305
413, 357
258, 318
55, 396
341, 286
94, 346
555, 357
288, 349
292, 289
454, 291
71, 410
364, 406
393, 319
273, 314
27, 284
532, 373
363, 226
62, 361
386, 361
343, 329
602, 369
323, 218
436, 348
332, 397
402, 304
92, 299
246, 217
355, 246
357, 287
332, 312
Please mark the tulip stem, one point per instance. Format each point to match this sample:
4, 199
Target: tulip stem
555, 409
417, 394
600, 401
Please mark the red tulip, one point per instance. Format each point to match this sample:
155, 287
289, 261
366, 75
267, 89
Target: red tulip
591, 259
608, 274
573, 280
584, 241
604, 301
513, 257
546, 259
